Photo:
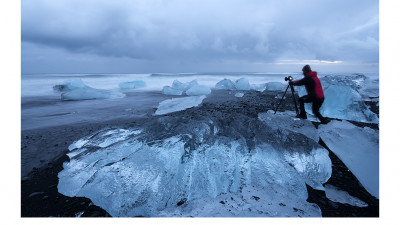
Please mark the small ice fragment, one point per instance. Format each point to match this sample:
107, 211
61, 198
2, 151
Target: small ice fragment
179, 104
239, 95
336, 195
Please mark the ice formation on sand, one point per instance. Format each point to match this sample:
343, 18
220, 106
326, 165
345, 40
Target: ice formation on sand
343, 102
274, 86
358, 148
242, 84
178, 104
191, 88
198, 90
225, 84
76, 90
258, 87
132, 84
336, 195
192, 164
167, 90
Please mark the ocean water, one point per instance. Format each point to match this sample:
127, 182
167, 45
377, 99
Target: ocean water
41, 106
42, 84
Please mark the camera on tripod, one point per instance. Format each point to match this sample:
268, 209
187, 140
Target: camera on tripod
289, 78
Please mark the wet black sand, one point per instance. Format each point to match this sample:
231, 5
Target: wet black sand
40, 197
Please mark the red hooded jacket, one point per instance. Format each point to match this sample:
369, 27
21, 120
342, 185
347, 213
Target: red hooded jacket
312, 83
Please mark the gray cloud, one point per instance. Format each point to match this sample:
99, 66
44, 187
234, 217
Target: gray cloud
192, 32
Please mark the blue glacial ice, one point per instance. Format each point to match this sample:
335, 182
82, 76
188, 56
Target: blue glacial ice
198, 90
274, 86
167, 90
344, 97
225, 84
75, 90
199, 166
191, 88
337, 195
178, 104
132, 84
242, 84
358, 148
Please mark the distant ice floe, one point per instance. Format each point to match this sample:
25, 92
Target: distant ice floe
178, 104
75, 90
336, 195
358, 148
132, 84
194, 166
191, 88
244, 85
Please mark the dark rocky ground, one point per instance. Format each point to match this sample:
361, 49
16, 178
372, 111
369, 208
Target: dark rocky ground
40, 197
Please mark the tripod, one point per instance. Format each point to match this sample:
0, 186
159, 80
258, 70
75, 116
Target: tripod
294, 99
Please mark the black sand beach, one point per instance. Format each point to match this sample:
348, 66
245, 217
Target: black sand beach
45, 141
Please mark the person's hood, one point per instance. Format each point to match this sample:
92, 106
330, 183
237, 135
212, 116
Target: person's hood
311, 74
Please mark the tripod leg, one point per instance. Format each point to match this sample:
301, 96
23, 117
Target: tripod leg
282, 99
294, 99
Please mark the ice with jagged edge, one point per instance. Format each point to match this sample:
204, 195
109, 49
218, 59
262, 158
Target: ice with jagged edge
336, 195
344, 98
187, 166
75, 90
178, 104
358, 148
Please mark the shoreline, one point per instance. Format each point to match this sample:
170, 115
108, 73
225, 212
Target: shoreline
46, 148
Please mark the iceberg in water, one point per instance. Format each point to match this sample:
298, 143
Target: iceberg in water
75, 90
178, 104
358, 148
132, 84
190, 165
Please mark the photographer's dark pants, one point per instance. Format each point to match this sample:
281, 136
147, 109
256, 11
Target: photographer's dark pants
316, 104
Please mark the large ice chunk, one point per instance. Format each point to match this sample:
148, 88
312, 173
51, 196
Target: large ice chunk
274, 86
287, 121
190, 88
242, 84
358, 148
184, 86
186, 166
132, 84
198, 90
167, 90
258, 87
75, 90
343, 102
225, 84
178, 104
69, 85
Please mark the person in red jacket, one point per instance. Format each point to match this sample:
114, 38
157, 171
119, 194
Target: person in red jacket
315, 93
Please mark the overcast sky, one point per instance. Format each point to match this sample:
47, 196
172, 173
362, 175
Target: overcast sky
128, 36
